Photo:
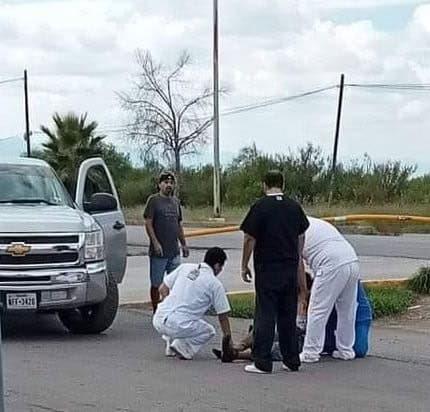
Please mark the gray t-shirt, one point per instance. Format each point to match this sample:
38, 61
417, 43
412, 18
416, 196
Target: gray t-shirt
166, 215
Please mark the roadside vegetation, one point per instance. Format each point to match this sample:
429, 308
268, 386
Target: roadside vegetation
420, 283
360, 186
386, 301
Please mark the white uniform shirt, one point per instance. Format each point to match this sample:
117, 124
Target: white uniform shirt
325, 248
193, 290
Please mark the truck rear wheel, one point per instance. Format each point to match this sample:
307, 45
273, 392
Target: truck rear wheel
95, 318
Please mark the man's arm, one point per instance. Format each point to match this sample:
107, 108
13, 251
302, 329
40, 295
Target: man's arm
158, 250
185, 250
303, 288
247, 249
224, 324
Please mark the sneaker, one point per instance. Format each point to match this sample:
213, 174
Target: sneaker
168, 352
176, 347
253, 369
290, 368
342, 355
306, 358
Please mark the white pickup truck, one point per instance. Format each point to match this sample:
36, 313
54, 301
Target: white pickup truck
59, 254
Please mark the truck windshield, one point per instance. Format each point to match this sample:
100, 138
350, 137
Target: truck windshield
26, 184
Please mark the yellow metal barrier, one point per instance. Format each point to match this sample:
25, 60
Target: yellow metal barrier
336, 219
380, 218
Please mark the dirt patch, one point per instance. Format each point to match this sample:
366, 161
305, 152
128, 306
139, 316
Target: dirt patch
416, 318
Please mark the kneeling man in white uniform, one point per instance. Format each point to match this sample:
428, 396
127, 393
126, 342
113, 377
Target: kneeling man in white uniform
188, 293
334, 264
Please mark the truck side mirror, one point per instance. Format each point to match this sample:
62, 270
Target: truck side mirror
101, 202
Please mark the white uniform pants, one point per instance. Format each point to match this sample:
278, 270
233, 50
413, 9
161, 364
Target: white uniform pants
189, 335
336, 288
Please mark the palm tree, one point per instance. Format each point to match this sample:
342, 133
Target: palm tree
71, 141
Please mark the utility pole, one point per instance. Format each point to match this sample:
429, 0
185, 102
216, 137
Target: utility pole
27, 121
336, 136
217, 167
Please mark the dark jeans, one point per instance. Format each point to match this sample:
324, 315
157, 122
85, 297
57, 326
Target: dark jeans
275, 305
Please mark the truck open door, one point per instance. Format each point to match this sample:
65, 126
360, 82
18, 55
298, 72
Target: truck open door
96, 194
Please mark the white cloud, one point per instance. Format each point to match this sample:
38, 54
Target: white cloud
80, 52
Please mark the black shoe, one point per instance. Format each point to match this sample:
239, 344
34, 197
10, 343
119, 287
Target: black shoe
290, 367
217, 353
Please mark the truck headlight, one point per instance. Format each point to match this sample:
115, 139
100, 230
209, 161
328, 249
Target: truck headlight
94, 246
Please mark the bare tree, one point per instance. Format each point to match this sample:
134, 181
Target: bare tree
168, 117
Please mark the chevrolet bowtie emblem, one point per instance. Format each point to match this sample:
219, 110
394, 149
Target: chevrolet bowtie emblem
18, 249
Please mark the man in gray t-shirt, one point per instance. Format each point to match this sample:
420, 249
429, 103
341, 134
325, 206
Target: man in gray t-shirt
163, 223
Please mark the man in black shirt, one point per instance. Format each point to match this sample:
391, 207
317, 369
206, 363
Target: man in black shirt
163, 223
274, 231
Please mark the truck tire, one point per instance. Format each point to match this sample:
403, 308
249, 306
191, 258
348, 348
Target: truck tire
95, 318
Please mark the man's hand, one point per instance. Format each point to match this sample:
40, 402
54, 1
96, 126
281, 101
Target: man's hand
164, 291
158, 249
185, 251
246, 275
303, 301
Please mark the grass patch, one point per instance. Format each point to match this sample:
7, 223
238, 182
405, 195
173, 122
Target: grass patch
389, 301
234, 215
242, 305
386, 301
420, 283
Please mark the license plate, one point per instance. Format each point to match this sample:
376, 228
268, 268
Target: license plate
21, 301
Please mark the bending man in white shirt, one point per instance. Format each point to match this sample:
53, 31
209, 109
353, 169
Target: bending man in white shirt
334, 264
188, 292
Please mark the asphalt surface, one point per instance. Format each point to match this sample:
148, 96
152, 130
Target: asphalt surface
124, 370
409, 246
381, 257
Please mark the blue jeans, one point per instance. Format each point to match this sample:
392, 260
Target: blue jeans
158, 266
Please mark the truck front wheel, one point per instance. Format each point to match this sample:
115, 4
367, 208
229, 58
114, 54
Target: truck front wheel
95, 318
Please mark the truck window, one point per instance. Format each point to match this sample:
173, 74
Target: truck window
31, 184
96, 181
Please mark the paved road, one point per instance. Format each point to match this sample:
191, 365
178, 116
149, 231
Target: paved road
380, 257
412, 246
124, 370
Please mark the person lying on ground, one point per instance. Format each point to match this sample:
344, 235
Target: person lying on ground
242, 350
187, 294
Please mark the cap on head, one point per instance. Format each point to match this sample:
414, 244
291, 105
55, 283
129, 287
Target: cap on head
166, 176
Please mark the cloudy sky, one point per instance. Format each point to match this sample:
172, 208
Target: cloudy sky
80, 52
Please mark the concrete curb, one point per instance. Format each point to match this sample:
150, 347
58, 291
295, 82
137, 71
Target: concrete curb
375, 282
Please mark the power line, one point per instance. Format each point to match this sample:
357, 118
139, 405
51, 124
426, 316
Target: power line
394, 86
11, 80
278, 100
274, 101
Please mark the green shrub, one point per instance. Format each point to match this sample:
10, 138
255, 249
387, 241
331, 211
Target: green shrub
420, 283
388, 301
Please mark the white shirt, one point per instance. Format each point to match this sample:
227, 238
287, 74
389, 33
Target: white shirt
325, 248
193, 290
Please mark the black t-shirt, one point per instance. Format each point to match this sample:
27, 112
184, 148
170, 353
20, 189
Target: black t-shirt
166, 215
275, 221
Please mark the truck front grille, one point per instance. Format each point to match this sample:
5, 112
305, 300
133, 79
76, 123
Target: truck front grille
39, 259
23, 251
37, 240
24, 279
